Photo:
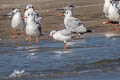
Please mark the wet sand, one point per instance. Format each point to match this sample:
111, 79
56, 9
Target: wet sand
89, 11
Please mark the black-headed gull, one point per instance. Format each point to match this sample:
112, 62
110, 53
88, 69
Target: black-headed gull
32, 27
74, 24
17, 22
30, 9
61, 35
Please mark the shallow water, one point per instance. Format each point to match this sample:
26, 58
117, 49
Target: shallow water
92, 58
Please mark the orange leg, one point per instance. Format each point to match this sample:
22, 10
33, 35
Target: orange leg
65, 46
30, 40
15, 34
37, 40
22, 33
113, 28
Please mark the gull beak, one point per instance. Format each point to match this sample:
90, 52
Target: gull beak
25, 9
25, 17
111, 1
63, 14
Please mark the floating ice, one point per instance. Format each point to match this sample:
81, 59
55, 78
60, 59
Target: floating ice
17, 73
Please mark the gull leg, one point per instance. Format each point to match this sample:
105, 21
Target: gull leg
22, 33
112, 27
15, 34
30, 39
65, 46
37, 40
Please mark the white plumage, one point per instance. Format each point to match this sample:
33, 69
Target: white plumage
17, 21
32, 27
106, 7
30, 9
113, 12
61, 35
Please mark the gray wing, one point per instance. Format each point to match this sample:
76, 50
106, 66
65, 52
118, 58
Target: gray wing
75, 25
38, 19
65, 32
39, 28
74, 22
118, 4
38, 22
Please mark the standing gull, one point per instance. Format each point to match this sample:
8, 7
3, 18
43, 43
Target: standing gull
17, 22
32, 28
61, 35
74, 24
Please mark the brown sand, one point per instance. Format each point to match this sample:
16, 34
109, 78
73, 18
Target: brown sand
89, 11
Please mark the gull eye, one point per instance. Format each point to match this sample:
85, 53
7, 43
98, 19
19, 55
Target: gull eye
66, 12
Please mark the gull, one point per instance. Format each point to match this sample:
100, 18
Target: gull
17, 22
30, 9
32, 28
61, 35
74, 24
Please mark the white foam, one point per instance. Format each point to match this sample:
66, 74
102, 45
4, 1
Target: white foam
62, 52
17, 73
109, 35
31, 56
96, 70
73, 42
19, 48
